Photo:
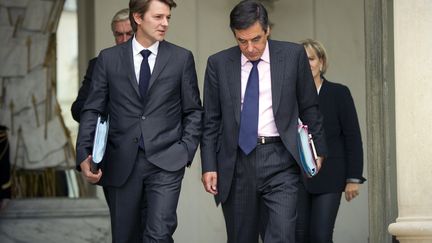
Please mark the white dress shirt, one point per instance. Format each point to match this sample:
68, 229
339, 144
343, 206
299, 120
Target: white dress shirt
137, 57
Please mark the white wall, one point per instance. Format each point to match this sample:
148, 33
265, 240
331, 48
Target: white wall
203, 27
67, 68
412, 21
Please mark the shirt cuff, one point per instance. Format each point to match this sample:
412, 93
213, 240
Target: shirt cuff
354, 180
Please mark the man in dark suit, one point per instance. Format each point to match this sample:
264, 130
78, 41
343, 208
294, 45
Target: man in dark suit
253, 95
149, 87
122, 32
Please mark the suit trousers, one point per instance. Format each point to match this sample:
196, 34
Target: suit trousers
144, 208
266, 179
316, 216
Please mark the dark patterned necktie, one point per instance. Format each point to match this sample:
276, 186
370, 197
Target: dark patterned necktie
249, 115
144, 77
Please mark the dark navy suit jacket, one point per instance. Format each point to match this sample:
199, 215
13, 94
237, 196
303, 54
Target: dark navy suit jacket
345, 151
168, 119
83, 91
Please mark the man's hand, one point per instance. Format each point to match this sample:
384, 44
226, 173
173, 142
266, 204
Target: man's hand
319, 162
209, 180
351, 191
88, 175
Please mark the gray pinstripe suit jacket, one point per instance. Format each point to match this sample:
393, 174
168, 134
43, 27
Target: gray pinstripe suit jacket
293, 95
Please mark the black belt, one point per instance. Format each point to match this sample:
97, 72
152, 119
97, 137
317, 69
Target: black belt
266, 140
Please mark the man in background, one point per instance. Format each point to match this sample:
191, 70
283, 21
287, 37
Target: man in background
122, 32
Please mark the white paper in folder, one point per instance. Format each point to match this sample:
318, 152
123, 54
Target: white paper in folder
100, 141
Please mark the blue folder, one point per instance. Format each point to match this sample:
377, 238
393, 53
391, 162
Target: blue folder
306, 150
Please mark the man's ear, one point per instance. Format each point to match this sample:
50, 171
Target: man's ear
268, 31
137, 17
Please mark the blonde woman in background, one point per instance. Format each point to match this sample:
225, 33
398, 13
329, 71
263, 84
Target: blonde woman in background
319, 197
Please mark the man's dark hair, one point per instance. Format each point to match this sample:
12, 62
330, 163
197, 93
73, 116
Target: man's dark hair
141, 7
246, 13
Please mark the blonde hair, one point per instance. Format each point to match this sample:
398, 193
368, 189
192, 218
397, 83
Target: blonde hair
319, 50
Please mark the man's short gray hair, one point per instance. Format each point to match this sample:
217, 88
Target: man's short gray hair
121, 15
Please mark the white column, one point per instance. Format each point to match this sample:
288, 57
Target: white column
413, 84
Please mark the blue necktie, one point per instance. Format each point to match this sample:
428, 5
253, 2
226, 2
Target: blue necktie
144, 79
249, 115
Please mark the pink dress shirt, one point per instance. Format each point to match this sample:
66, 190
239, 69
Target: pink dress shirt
266, 124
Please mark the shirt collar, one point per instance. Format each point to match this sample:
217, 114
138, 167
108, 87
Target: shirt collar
137, 47
265, 56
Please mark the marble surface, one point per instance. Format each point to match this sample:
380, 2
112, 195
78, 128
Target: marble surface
55, 220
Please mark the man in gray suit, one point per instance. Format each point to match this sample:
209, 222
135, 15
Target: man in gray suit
253, 95
149, 87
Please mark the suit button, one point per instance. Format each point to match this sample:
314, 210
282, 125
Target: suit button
135, 140
143, 117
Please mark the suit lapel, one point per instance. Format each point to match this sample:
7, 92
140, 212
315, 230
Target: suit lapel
161, 60
233, 68
277, 73
129, 62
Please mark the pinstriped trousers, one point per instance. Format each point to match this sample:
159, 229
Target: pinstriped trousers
263, 196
